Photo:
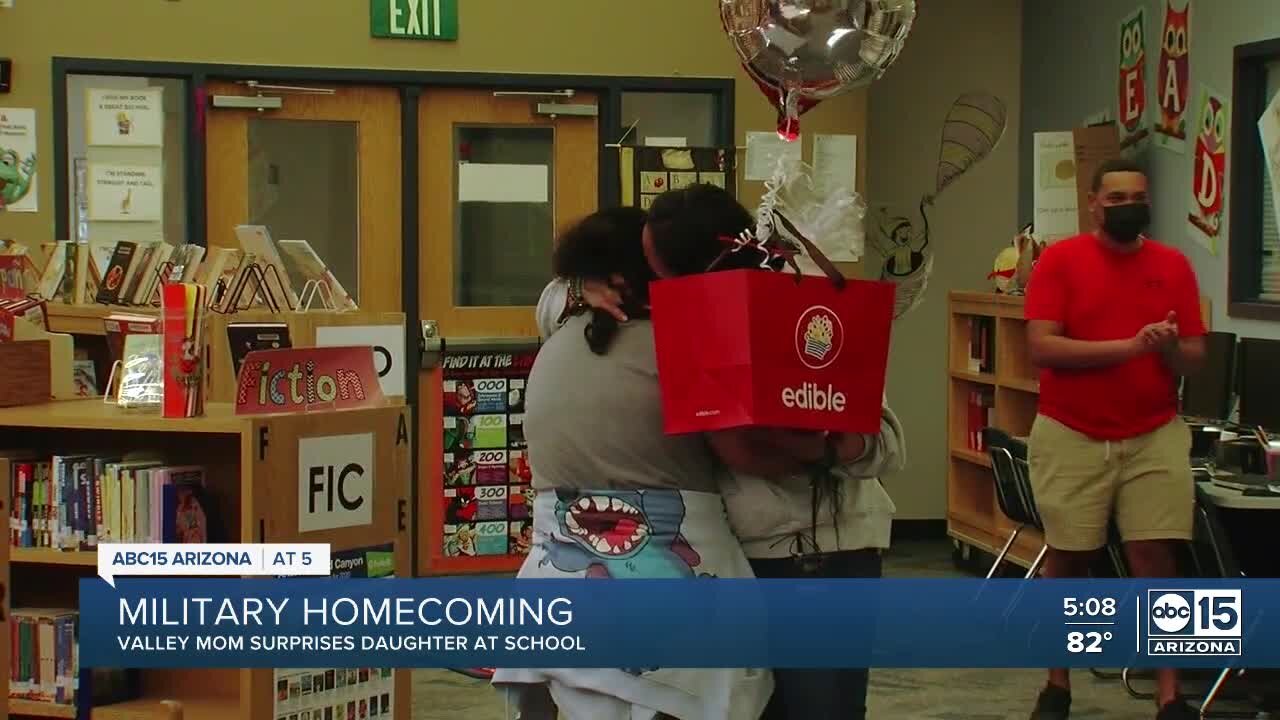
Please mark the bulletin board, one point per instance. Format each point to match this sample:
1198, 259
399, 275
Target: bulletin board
647, 172
484, 521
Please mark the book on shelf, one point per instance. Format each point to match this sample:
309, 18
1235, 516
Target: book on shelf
981, 414
85, 377
217, 272
77, 502
81, 278
256, 240
116, 272
57, 282
246, 337
982, 345
135, 273
44, 655
119, 326
309, 274
151, 273
44, 662
185, 263
141, 372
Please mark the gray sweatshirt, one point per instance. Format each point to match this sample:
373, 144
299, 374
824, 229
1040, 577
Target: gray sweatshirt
774, 518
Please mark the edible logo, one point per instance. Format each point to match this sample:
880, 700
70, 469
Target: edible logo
819, 337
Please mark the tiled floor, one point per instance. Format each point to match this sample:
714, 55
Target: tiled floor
894, 695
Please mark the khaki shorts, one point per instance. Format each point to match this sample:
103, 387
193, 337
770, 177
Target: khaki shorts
1080, 484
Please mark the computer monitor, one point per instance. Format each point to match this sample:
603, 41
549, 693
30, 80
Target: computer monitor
1208, 393
1259, 373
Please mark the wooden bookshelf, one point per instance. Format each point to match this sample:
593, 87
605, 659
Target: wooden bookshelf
973, 516
252, 464
49, 556
27, 708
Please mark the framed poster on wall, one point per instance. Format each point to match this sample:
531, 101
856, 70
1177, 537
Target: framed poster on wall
484, 489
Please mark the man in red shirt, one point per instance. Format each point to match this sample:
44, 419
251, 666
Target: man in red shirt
1113, 320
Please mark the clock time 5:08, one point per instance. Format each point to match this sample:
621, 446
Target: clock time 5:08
1088, 607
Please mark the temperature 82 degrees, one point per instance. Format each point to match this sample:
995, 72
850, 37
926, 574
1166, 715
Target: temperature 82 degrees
1088, 623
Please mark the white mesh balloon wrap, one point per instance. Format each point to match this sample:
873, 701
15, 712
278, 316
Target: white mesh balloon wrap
831, 218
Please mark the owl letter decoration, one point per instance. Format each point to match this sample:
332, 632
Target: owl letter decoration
1132, 96
1207, 186
1173, 78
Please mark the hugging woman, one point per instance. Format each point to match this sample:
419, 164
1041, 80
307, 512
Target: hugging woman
791, 525
618, 498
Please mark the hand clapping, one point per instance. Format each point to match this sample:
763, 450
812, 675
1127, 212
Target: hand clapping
1161, 335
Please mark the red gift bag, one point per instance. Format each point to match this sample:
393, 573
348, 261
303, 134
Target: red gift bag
762, 348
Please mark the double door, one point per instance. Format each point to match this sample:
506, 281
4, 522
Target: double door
499, 175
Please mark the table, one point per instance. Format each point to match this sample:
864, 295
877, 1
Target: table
1232, 499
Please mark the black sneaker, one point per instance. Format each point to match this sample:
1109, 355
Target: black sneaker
1177, 710
1054, 703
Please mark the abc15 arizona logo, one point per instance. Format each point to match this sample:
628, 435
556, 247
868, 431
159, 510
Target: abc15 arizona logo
1194, 622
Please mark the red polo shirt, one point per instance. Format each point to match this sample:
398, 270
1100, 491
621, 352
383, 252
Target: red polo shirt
1099, 294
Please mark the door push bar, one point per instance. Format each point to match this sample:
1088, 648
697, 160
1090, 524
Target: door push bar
432, 346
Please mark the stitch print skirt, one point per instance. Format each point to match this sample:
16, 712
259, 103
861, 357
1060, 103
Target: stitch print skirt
625, 534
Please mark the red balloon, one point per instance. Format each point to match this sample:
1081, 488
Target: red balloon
788, 119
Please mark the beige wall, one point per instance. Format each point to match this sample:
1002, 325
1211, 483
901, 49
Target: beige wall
954, 47
665, 38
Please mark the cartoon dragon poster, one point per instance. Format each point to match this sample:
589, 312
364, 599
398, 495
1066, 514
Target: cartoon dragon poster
1131, 96
1208, 184
18, 160
1174, 76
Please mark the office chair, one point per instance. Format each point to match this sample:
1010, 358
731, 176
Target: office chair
1017, 501
1013, 492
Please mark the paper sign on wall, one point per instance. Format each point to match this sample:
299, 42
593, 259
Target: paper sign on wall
126, 193
125, 117
18, 186
387, 342
835, 164
335, 482
1055, 186
502, 183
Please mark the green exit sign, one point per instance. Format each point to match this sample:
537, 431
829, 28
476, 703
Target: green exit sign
414, 19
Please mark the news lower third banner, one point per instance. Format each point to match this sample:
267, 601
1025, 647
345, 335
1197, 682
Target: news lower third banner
435, 623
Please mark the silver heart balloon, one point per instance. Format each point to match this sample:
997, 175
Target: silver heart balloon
818, 48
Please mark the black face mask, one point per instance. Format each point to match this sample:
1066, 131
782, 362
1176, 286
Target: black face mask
1124, 223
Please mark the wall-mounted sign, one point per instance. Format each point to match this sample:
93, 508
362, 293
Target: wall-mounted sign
335, 482
126, 117
414, 19
307, 380
126, 193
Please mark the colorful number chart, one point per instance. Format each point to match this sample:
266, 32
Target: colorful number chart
488, 498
